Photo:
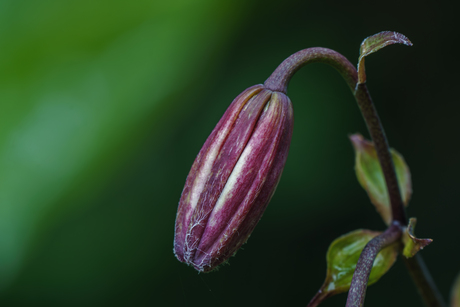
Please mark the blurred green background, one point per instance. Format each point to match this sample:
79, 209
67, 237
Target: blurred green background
105, 104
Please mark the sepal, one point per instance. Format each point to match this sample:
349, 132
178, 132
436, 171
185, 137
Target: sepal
413, 244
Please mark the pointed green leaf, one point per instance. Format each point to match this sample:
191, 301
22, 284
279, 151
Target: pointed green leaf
370, 175
376, 42
412, 244
455, 294
342, 257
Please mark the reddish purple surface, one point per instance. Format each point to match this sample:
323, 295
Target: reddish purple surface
261, 120
184, 206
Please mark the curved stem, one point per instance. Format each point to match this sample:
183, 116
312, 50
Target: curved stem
279, 79
358, 286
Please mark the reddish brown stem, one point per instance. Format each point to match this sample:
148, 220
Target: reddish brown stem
279, 81
358, 286
383, 152
318, 298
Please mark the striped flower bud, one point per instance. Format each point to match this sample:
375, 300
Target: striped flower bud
233, 178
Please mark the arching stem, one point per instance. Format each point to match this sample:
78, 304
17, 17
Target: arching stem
279, 81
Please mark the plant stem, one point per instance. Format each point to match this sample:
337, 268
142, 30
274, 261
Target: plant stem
423, 281
318, 298
358, 286
383, 152
279, 80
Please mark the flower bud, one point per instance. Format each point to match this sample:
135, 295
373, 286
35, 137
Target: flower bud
233, 178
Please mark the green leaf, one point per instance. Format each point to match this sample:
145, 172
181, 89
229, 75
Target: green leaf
376, 42
455, 294
412, 244
342, 257
370, 175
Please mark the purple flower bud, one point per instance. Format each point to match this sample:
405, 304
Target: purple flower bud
233, 178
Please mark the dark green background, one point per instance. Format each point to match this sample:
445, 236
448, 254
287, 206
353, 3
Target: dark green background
105, 104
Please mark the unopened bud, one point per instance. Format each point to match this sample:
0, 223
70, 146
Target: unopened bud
233, 178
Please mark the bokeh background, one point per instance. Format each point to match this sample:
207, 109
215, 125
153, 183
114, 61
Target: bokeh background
105, 104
